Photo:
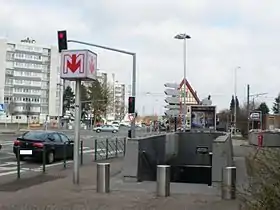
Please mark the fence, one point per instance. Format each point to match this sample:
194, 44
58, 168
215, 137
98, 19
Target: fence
103, 149
109, 148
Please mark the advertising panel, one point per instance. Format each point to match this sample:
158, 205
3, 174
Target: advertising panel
203, 117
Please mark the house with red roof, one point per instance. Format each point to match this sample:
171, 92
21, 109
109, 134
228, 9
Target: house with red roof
191, 95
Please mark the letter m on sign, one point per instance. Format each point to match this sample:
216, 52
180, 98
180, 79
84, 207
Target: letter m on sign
73, 63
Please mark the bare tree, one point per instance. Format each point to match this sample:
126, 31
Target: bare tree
11, 110
28, 111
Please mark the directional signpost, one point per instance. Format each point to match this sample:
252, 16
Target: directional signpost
173, 101
78, 65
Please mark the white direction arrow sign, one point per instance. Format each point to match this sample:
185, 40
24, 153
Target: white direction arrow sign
172, 106
172, 113
172, 92
172, 100
172, 85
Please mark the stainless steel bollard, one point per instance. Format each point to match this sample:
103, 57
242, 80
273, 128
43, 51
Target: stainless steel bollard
163, 180
103, 178
229, 183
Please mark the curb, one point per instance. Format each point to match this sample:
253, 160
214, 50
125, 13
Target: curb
8, 132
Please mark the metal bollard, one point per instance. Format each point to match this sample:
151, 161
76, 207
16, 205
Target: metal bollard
116, 150
124, 145
163, 180
210, 169
95, 149
18, 162
64, 154
82, 152
229, 183
107, 149
103, 178
44, 159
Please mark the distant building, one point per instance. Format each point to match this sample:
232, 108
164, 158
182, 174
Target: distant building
30, 83
191, 95
117, 108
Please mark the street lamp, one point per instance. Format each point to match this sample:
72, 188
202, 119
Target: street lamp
235, 93
184, 37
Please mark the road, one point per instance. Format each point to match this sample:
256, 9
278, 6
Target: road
8, 163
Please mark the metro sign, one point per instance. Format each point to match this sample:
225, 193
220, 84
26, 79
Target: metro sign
74, 62
78, 64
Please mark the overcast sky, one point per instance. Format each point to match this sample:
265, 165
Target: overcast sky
225, 34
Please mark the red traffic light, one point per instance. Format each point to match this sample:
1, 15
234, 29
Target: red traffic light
61, 35
62, 40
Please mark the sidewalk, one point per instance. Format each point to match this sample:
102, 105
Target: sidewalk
60, 193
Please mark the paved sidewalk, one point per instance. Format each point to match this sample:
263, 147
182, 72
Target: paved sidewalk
61, 194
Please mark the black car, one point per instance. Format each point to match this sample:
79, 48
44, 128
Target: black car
32, 143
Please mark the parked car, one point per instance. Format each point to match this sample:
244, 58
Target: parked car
106, 128
116, 124
32, 143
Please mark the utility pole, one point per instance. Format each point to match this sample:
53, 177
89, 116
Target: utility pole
248, 107
235, 97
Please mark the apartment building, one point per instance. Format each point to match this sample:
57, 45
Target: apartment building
119, 101
30, 84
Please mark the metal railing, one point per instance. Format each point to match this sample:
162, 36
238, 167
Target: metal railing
103, 149
109, 148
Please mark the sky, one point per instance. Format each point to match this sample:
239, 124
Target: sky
225, 35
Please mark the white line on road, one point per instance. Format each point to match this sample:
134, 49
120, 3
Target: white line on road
39, 169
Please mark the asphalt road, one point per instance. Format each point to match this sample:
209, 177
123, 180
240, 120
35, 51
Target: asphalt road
8, 163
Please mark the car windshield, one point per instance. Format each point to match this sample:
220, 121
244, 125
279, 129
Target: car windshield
34, 135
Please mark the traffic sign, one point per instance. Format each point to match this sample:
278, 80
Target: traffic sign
172, 106
172, 85
130, 117
182, 107
78, 64
172, 100
172, 113
2, 109
172, 92
255, 116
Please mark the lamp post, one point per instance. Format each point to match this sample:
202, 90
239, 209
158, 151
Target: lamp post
184, 37
235, 96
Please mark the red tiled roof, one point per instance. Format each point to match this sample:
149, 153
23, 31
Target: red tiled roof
190, 89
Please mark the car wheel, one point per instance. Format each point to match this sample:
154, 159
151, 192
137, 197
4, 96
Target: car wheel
114, 131
50, 157
98, 131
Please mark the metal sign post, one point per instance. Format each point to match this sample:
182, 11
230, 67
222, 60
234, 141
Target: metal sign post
133, 71
78, 65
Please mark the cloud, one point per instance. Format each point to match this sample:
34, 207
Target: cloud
225, 34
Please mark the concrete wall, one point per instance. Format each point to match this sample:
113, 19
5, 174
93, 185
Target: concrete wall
188, 143
270, 138
144, 154
222, 156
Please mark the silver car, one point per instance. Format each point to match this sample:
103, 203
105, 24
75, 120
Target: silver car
106, 128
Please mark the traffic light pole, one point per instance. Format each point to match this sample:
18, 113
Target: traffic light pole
76, 176
133, 72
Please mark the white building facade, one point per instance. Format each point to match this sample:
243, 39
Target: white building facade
30, 84
117, 106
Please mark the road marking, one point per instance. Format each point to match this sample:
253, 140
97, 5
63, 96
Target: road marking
39, 169
7, 143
